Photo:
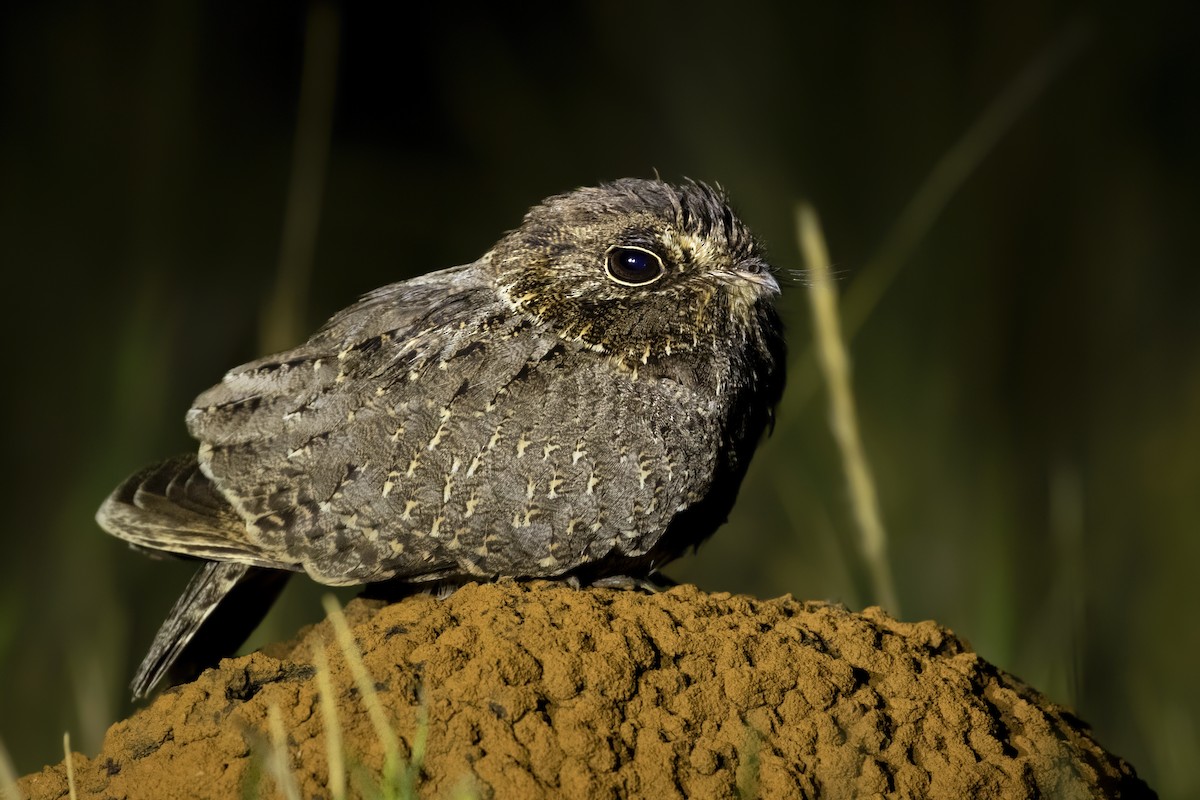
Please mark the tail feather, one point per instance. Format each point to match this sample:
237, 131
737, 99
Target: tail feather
173, 507
214, 580
181, 648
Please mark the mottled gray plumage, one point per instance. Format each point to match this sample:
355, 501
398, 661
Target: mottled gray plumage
582, 401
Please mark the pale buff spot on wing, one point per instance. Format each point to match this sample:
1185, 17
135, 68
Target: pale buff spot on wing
445, 415
522, 446
409, 506
669, 466
413, 464
389, 483
555, 482
437, 438
446, 489
548, 449
524, 520
644, 471
496, 436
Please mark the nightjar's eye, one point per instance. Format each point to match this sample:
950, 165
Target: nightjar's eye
633, 266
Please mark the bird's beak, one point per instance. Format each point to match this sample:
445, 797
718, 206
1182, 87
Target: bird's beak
753, 283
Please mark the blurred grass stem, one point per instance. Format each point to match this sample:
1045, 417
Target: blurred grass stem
1068, 529
366, 690
8, 776
834, 361
951, 171
279, 764
282, 323
70, 764
933, 195
333, 728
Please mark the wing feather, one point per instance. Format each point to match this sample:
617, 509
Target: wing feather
293, 441
174, 507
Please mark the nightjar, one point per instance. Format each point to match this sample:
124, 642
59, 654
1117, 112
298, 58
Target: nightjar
581, 402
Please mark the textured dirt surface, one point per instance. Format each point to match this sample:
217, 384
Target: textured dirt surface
541, 690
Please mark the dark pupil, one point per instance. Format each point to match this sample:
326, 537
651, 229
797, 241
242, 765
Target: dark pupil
636, 261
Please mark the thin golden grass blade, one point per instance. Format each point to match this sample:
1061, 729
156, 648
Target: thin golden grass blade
834, 361
69, 761
366, 688
279, 764
334, 753
8, 777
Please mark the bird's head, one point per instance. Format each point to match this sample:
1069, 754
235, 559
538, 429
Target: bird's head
641, 270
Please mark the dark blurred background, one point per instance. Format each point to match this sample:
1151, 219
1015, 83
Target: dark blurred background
1028, 382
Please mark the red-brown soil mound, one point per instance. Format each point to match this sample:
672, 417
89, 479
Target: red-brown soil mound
540, 690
